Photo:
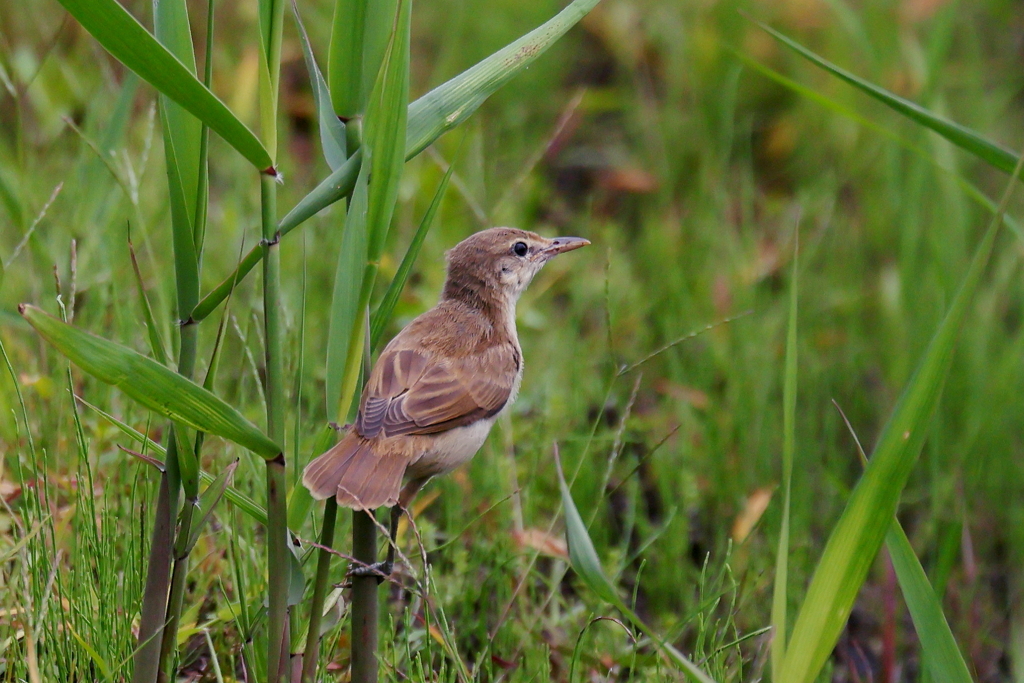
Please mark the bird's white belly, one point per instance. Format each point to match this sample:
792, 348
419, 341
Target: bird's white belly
450, 449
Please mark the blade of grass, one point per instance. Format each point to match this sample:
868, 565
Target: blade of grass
991, 152
779, 594
156, 344
345, 300
182, 131
332, 130
942, 655
369, 217
860, 531
969, 189
215, 490
151, 384
379, 24
203, 174
130, 43
385, 127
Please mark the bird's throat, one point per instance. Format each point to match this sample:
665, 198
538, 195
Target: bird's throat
491, 301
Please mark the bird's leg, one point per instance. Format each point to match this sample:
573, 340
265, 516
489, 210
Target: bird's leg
382, 570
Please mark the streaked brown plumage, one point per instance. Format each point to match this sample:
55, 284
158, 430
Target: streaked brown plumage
440, 384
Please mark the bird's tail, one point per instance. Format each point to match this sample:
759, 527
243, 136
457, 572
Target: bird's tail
359, 478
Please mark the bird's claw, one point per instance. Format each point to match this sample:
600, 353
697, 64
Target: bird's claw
381, 570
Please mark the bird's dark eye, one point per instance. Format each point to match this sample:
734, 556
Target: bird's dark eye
520, 248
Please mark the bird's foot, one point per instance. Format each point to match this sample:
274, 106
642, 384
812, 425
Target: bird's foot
339, 428
381, 570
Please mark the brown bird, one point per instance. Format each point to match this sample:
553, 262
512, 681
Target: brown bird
441, 383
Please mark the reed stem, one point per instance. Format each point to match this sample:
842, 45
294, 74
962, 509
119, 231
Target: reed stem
177, 595
151, 656
364, 600
277, 503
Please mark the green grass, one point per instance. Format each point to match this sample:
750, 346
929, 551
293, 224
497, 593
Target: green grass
687, 170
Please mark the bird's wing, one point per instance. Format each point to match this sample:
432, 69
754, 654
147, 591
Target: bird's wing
414, 391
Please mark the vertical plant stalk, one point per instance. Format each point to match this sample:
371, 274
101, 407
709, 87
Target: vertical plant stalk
176, 597
182, 133
150, 657
277, 488
179, 573
323, 567
364, 600
154, 598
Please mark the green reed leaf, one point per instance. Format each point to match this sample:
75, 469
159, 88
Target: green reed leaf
369, 215
345, 57
991, 152
348, 279
271, 24
150, 383
384, 130
332, 130
129, 42
941, 654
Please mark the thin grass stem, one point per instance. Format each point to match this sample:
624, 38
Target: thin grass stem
322, 582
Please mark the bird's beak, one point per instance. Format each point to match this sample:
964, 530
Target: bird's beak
560, 245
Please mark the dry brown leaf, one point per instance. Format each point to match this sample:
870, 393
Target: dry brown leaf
542, 542
757, 503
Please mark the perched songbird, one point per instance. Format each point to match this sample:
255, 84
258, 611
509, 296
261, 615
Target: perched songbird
440, 384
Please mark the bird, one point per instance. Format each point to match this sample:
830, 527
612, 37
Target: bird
441, 382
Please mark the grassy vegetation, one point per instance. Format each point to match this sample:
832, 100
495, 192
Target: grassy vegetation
668, 134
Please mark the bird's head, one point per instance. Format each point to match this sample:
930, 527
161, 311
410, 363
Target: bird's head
498, 263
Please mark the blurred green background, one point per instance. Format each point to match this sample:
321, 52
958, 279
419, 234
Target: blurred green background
645, 131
